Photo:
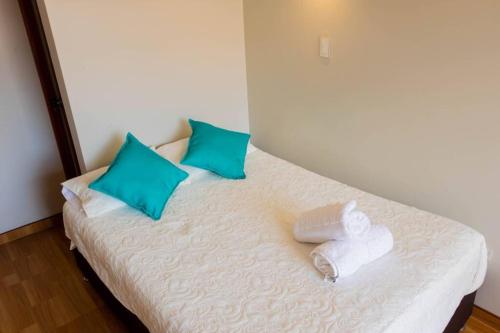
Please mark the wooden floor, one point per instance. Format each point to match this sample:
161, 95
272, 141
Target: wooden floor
482, 322
42, 290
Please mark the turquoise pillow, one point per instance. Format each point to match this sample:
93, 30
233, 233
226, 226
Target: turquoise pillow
216, 149
140, 177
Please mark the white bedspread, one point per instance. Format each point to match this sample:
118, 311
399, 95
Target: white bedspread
223, 259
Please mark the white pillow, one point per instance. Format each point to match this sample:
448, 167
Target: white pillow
95, 203
251, 148
174, 152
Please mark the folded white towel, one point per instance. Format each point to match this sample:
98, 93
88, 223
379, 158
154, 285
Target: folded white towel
334, 221
338, 259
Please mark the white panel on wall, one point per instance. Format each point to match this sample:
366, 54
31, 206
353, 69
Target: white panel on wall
30, 167
145, 67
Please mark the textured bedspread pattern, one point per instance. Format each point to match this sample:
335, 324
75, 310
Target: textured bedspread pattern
223, 259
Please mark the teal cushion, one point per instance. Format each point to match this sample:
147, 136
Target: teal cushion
140, 177
216, 149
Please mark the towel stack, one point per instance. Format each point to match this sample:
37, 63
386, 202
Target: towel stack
349, 239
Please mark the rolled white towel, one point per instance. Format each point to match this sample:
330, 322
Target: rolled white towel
334, 221
338, 259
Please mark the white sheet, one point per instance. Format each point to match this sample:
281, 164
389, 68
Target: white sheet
223, 259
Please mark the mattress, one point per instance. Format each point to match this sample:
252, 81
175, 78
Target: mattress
223, 259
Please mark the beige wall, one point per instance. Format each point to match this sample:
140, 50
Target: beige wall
145, 68
408, 107
30, 168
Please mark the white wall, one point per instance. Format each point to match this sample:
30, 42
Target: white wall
30, 168
407, 108
144, 66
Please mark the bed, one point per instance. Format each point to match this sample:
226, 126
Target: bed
223, 259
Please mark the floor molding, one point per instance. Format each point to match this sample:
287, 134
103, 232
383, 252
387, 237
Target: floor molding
30, 229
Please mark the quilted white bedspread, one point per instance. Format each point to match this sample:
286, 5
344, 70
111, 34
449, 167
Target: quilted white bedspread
223, 259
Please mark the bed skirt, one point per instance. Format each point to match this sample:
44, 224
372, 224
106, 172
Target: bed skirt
457, 322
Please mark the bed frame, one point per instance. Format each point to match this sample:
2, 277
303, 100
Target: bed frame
456, 324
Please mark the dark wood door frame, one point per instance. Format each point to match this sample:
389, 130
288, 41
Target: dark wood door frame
50, 87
